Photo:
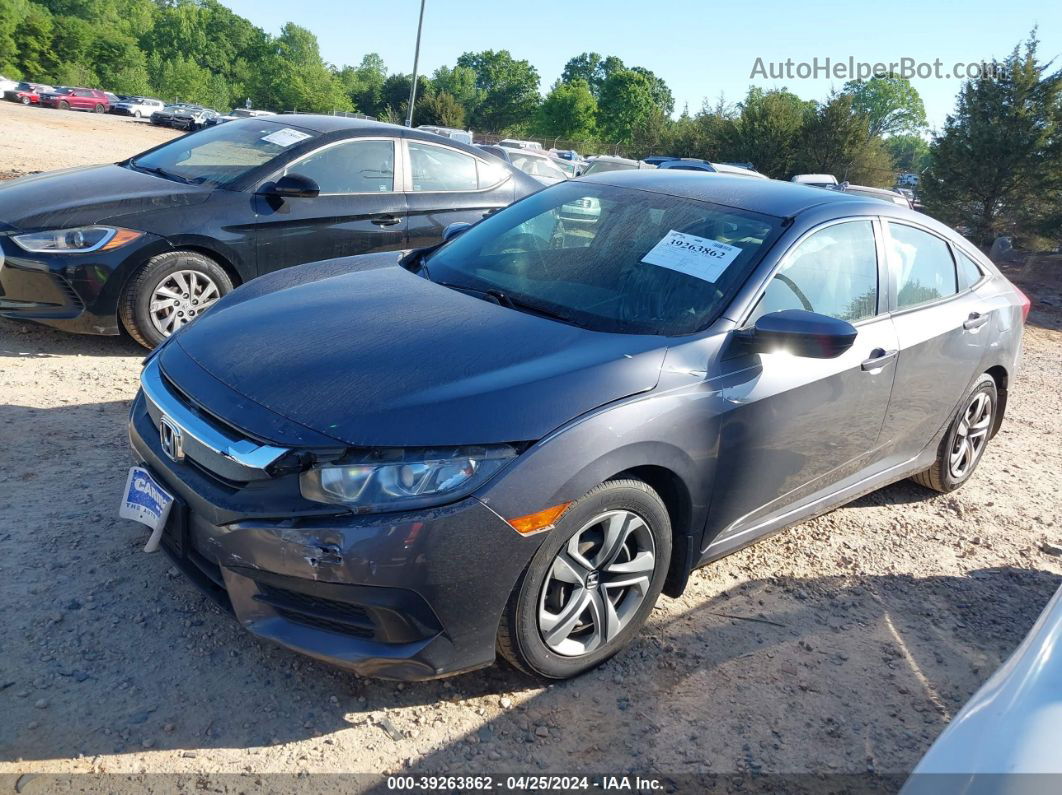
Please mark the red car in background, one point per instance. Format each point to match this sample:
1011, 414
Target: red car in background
27, 93
79, 99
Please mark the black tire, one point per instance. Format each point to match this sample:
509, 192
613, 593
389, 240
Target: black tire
64, 105
134, 305
136, 114
943, 476
520, 639
99, 109
26, 101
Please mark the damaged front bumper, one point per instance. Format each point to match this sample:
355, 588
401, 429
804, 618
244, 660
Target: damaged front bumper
411, 595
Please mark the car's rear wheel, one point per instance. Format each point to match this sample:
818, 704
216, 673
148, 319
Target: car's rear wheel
99, 109
964, 444
169, 292
591, 585
64, 105
136, 114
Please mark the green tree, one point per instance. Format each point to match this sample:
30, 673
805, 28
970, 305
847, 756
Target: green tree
834, 140
765, 132
593, 69
662, 96
889, 102
295, 77
460, 83
626, 101
909, 153
364, 83
440, 108
569, 112
34, 57
997, 165
509, 89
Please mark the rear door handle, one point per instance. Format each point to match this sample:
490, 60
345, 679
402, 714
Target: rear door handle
879, 357
975, 320
385, 220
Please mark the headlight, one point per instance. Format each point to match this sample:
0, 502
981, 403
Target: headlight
77, 241
397, 479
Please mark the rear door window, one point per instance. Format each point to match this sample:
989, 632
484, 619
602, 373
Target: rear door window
436, 168
924, 268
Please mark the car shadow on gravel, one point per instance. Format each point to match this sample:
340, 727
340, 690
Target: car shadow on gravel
22, 339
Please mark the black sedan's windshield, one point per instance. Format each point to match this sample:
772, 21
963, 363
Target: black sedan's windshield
611, 259
220, 155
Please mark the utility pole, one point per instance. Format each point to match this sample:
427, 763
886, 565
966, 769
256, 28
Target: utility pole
416, 63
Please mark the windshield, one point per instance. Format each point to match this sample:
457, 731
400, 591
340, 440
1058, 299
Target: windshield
601, 166
219, 155
538, 166
609, 259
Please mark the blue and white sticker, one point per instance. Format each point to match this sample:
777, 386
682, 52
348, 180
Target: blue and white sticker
147, 502
699, 257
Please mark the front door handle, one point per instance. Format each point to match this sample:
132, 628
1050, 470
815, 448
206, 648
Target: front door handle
385, 220
879, 357
975, 320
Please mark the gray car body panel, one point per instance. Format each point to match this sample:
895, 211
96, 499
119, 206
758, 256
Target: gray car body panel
741, 444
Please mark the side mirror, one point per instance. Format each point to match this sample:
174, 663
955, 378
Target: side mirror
294, 186
453, 230
799, 332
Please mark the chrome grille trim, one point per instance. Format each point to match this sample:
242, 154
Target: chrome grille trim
216, 450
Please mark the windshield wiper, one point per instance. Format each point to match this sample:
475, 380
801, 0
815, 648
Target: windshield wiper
161, 172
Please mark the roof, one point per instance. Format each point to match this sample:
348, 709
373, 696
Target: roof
768, 196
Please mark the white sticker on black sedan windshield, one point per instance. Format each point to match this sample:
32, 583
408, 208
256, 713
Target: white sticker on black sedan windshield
285, 137
700, 257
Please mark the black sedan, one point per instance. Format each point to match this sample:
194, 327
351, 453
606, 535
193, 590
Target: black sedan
151, 242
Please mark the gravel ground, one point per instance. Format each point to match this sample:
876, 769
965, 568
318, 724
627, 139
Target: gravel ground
844, 644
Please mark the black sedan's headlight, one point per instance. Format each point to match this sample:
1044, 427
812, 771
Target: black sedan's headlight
78, 240
395, 479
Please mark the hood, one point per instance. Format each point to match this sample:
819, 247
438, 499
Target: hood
89, 195
383, 357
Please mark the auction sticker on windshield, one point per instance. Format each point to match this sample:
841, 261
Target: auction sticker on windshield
147, 502
699, 257
286, 137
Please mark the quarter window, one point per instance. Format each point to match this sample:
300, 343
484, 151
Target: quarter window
351, 167
969, 272
833, 272
925, 269
436, 168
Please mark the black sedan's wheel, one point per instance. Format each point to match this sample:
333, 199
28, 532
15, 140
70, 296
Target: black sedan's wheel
592, 583
964, 444
169, 292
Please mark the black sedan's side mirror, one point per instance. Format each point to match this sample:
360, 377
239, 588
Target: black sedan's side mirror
453, 230
800, 333
294, 186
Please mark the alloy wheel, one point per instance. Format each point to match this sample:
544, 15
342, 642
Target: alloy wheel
596, 583
180, 298
971, 436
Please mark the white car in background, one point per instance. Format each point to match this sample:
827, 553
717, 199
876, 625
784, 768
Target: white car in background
138, 107
816, 180
1011, 727
7, 85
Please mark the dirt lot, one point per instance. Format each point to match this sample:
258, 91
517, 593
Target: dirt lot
842, 645
41, 139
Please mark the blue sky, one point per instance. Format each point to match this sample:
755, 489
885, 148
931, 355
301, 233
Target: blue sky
700, 49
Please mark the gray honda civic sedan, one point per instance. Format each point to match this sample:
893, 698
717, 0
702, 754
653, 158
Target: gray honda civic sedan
515, 441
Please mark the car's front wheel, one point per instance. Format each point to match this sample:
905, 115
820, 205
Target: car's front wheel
169, 292
99, 109
136, 114
591, 585
64, 105
26, 101
964, 444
